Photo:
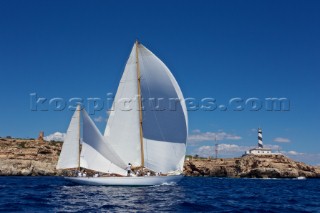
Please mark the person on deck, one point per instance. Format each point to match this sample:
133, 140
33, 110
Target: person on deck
128, 169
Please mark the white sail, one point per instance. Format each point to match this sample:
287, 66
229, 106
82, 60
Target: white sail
164, 131
165, 128
122, 130
96, 154
92, 159
69, 156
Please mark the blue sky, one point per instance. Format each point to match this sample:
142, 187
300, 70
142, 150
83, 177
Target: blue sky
218, 49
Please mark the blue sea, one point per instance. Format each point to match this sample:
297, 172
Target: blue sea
192, 194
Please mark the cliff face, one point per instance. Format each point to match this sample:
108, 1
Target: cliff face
28, 157
251, 166
32, 157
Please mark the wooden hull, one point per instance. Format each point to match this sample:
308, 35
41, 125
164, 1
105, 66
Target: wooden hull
126, 181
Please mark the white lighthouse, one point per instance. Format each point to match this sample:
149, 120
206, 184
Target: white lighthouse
260, 144
259, 150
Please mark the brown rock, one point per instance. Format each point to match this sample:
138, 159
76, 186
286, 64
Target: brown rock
28, 157
252, 166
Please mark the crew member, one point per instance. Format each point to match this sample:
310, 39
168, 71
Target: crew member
128, 169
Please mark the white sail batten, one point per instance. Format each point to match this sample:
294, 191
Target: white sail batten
94, 144
69, 156
122, 130
165, 124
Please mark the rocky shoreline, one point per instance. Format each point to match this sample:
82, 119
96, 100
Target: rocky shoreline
20, 157
251, 166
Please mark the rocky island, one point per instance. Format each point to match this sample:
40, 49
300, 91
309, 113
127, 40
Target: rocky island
28, 157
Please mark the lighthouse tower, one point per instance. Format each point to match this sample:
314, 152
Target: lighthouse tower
259, 150
260, 144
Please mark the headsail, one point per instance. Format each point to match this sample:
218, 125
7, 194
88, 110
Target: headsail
96, 154
69, 156
92, 159
165, 121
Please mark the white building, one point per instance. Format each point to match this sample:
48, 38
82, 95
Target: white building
259, 150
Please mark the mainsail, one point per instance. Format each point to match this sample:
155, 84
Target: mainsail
69, 156
122, 130
164, 128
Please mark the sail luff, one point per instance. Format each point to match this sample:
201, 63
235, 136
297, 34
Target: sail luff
140, 104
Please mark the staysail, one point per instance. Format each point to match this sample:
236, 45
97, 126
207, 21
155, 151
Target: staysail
96, 154
69, 156
164, 117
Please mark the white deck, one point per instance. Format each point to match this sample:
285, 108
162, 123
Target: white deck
126, 181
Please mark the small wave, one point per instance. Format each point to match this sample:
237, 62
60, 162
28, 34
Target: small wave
169, 184
165, 184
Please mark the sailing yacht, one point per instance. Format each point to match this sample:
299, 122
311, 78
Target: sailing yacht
145, 134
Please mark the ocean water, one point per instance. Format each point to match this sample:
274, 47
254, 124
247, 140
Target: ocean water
192, 194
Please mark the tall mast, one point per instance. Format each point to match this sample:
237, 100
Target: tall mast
79, 110
140, 103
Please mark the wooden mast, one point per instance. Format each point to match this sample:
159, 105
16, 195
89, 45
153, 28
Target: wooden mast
140, 103
79, 111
